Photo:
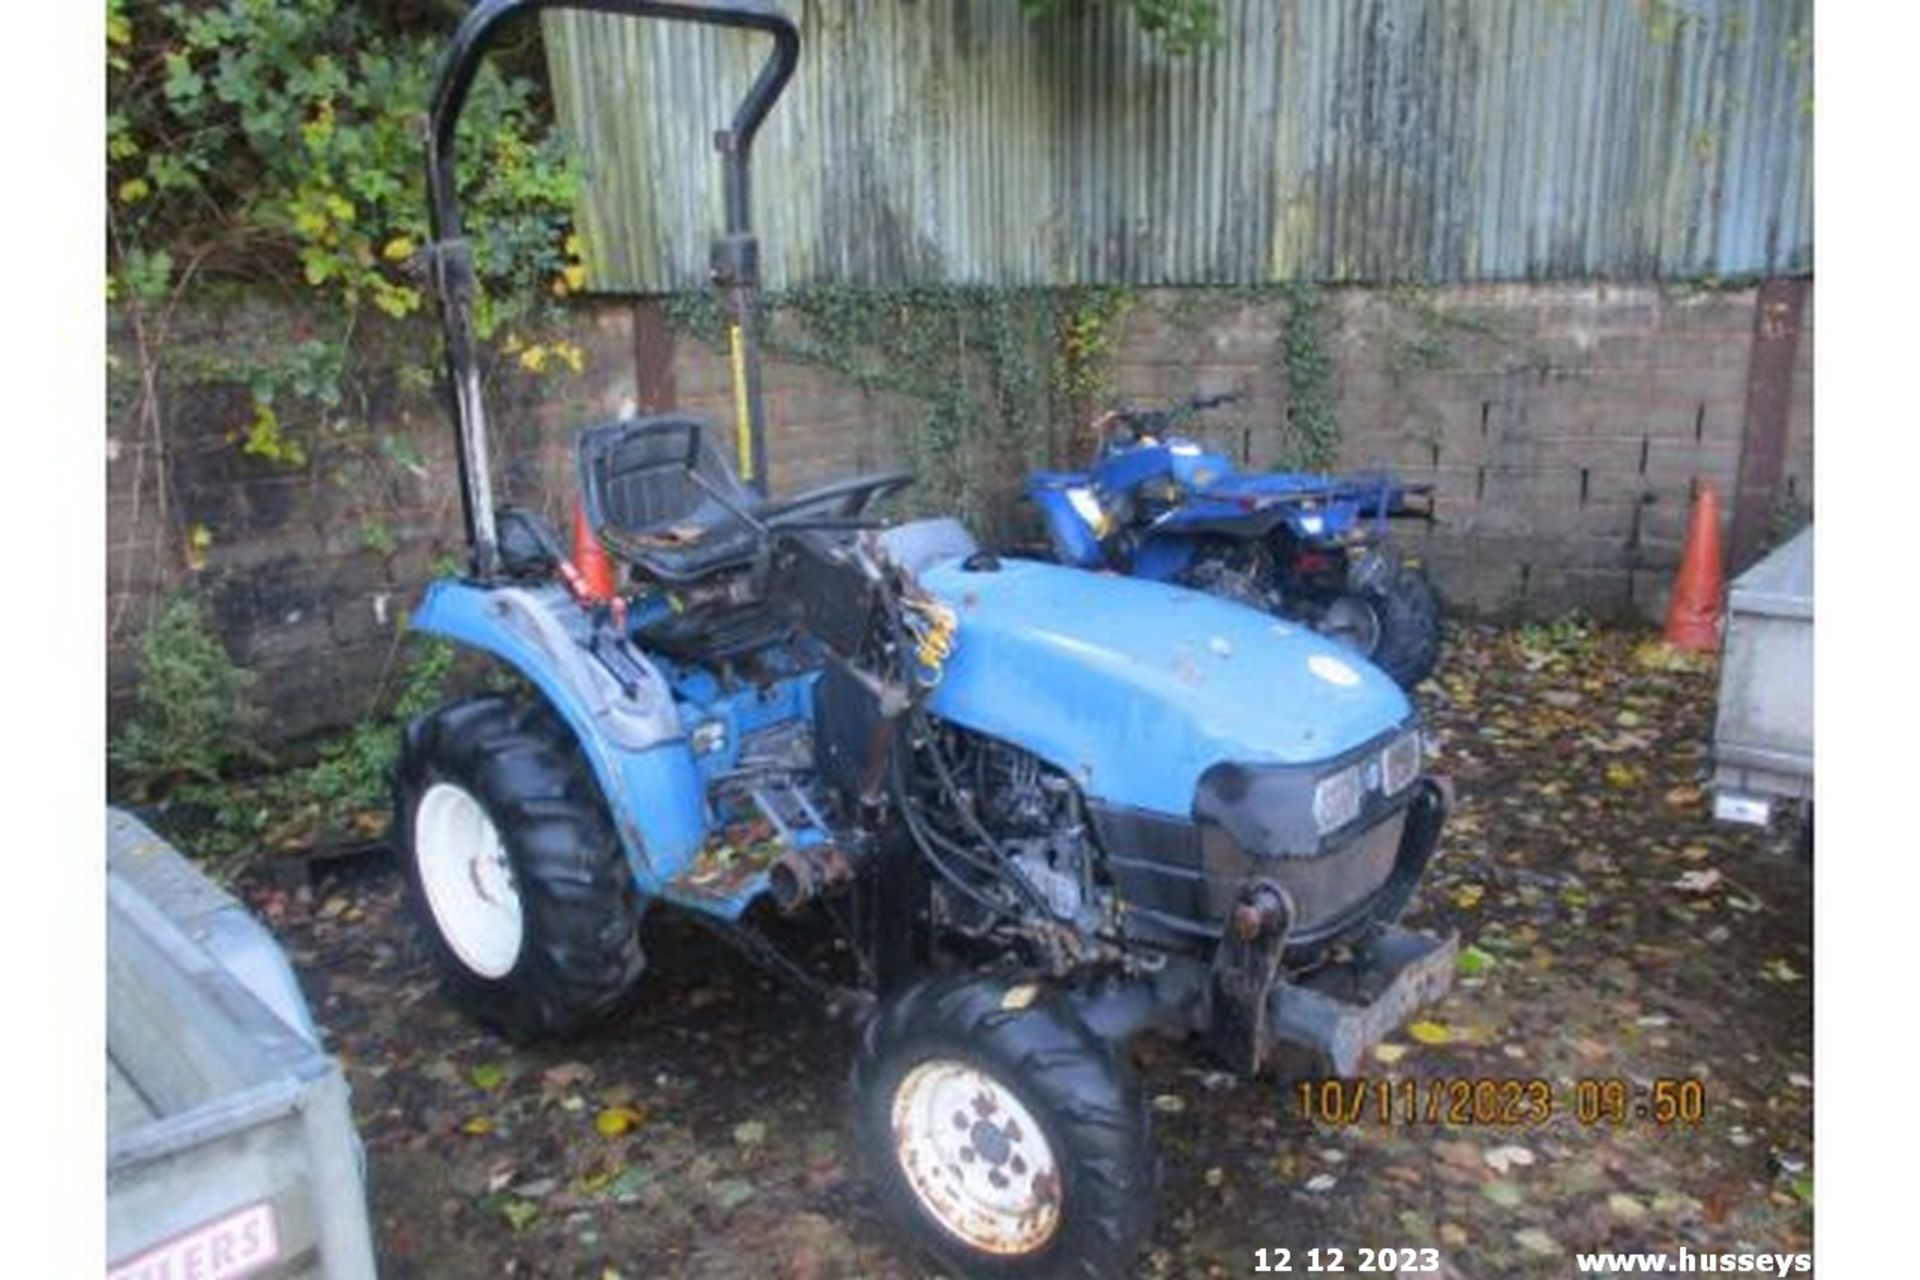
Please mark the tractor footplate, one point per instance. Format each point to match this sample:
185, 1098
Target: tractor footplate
730, 859
1345, 1009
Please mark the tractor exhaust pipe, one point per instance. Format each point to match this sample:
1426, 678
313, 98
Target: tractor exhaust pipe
806, 873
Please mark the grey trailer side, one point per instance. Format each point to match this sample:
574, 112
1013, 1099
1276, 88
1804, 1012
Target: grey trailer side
230, 1144
1763, 730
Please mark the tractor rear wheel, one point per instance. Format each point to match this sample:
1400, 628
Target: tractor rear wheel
1003, 1134
1395, 626
513, 868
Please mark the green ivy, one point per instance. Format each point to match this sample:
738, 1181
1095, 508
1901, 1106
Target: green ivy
1310, 439
977, 366
1184, 26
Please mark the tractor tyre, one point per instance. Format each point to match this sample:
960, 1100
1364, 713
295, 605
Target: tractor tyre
1004, 1136
514, 870
1404, 637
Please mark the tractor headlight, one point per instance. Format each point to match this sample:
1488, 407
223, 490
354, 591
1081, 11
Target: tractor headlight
1400, 763
1337, 797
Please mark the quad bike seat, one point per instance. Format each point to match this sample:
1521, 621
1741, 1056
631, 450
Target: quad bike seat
638, 484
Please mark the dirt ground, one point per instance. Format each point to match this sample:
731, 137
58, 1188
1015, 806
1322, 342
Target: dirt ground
1610, 931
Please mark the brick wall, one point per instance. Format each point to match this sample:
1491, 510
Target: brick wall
1563, 427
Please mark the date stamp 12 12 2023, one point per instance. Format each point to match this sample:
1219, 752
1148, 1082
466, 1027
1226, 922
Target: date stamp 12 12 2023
1503, 1102
1387, 1261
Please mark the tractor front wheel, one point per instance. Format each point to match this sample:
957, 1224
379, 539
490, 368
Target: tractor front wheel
514, 870
1004, 1136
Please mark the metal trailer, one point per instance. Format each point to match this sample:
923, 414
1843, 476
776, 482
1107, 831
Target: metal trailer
1763, 733
230, 1145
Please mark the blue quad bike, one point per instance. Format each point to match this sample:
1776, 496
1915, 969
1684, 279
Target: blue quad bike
1027, 812
1158, 505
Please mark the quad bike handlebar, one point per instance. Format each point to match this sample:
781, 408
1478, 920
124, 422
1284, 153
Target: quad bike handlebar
1142, 422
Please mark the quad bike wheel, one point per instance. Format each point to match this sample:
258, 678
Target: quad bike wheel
514, 870
1394, 625
1004, 1136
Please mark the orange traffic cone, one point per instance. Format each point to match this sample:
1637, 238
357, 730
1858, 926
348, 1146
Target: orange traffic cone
590, 558
1693, 616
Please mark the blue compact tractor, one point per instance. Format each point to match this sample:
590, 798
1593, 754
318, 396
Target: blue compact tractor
1046, 810
1301, 545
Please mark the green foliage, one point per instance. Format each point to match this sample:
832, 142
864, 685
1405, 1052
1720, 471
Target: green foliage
1571, 635
341, 794
193, 709
1311, 437
1184, 26
1086, 342
352, 772
281, 143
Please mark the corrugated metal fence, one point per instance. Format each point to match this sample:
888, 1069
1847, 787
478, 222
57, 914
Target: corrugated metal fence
1339, 140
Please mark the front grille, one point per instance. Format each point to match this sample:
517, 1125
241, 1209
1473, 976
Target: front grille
1324, 887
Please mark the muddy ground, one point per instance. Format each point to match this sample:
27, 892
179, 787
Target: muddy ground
1611, 932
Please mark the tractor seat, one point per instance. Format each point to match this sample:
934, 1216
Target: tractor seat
638, 487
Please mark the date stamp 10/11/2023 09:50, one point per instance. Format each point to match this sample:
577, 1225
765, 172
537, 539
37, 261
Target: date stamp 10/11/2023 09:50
1507, 1102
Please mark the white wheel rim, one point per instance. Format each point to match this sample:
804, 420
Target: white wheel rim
975, 1158
468, 879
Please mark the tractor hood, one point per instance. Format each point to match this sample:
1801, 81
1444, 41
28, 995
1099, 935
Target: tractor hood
1134, 688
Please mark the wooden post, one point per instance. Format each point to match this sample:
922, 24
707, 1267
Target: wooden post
1777, 314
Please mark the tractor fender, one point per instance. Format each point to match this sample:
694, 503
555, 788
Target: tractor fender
631, 735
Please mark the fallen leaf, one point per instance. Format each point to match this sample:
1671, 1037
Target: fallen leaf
1500, 1159
615, 1121
1503, 1193
1389, 1053
1468, 896
1625, 1207
750, 1133
1534, 1240
566, 1075
1473, 962
1702, 881
519, 1213
477, 1126
1169, 1104
1622, 776
488, 1075
629, 1185
730, 1193
1429, 1032
1321, 1182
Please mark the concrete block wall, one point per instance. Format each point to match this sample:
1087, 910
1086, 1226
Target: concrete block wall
1562, 426
309, 570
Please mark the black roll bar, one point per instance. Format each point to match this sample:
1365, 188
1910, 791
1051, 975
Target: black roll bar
735, 252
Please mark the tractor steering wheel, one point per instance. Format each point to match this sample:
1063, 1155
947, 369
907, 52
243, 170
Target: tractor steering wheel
845, 501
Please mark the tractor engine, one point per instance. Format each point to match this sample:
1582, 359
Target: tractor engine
1008, 839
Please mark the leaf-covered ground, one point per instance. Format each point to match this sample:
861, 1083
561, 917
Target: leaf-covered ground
1610, 931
